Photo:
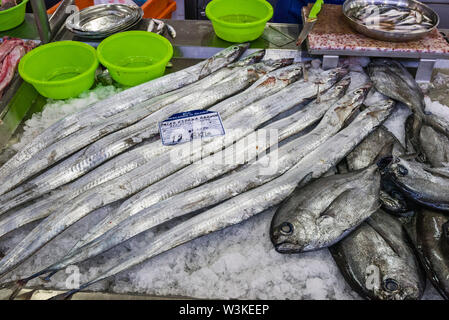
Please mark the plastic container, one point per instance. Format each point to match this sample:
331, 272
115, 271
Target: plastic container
167, 12
159, 9
153, 8
60, 70
134, 57
239, 21
13, 17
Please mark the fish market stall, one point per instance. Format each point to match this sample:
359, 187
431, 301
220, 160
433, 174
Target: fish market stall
103, 199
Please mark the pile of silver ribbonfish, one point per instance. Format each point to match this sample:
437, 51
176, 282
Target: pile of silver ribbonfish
328, 159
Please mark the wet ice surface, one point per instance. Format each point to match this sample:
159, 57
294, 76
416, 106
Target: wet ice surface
54, 110
237, 262
436, 108
439, 87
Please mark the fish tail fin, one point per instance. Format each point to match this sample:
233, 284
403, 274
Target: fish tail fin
16, 287
47, 278
68, 294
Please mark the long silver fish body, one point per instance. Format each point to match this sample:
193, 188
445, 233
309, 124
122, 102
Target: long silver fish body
245, 205
243, 123
306, 117
248, 204
378, 262
223, 162
121, 102
139, 156
435, 146
417, 182
124, 139
90, 133
47, 181
124, 186
246, 177
267, 85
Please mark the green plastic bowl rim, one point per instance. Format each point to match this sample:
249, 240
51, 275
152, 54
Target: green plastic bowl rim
15, 7
92, 68
240, 25
130, 69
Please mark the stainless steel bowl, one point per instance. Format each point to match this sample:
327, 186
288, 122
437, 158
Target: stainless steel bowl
390, 35
103, 20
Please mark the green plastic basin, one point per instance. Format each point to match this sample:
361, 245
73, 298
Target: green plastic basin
12, 17
237, 20
135, 57
60, 70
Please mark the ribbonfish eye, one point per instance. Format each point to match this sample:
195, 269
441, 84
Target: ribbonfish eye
286, 228
360, 91
402, 170
384, 162
391, 285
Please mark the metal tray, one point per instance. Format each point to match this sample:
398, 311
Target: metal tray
390, 35
103, 20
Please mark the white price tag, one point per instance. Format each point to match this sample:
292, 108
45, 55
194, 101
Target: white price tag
186, 126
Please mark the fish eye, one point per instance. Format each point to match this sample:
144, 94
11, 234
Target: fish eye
286, 228
359, 91
402, 170
391, 285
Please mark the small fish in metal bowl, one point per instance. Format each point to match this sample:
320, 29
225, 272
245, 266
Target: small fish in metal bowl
103, 20
390, 20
